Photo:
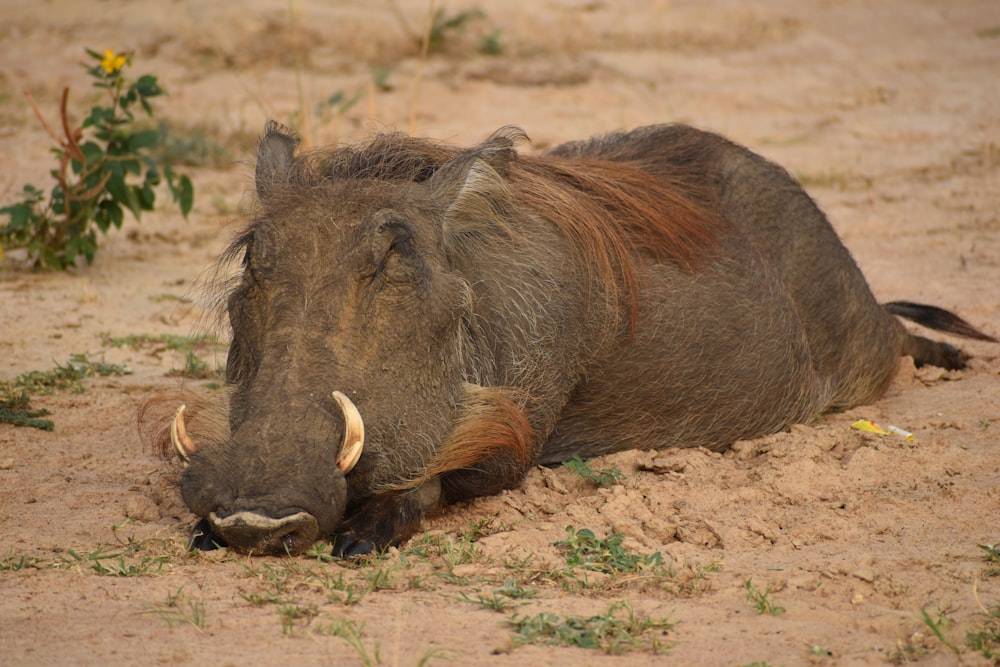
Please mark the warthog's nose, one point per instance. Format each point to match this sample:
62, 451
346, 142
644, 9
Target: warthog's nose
252, 531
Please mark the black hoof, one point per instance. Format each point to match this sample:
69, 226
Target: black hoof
203, 539
347, 546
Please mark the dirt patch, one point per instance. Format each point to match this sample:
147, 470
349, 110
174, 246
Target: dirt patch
885, 110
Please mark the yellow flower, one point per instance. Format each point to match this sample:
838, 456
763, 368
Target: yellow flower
113, 62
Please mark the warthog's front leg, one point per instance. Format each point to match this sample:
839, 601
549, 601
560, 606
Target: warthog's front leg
385, 520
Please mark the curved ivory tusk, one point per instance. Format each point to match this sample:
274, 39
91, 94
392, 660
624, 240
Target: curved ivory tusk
179, 437
354, 433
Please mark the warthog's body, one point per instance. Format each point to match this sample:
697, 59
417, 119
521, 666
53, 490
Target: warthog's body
487, 312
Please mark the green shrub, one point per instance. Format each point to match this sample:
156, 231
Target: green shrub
105, 168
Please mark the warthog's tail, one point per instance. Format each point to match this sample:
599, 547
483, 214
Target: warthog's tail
926, 351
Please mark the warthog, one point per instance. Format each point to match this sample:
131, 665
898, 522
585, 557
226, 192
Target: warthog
415, 324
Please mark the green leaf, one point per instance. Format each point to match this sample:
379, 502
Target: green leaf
147, 196
116, 186
88, 245
147, 86
134, 202
143, 139
186, 198
109, 213
132, 166
83, 244
20, 215
100, 117
152, 173
92, 152
181, 189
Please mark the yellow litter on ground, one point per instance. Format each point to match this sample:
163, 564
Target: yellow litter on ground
871, 427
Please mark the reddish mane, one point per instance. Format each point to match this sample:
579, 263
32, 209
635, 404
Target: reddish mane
650, 216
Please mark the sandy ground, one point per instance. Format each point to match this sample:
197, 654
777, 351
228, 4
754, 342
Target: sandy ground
888, 110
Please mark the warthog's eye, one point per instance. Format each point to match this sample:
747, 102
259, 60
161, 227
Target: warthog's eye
396, 256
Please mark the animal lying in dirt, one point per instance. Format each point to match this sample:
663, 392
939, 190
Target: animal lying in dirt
415, 324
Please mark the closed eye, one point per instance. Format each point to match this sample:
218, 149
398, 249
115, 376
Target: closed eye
393, 248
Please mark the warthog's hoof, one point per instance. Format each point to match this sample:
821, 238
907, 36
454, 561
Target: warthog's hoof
203, 539
347, 545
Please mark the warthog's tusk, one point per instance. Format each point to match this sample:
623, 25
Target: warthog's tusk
179, 437
354, 433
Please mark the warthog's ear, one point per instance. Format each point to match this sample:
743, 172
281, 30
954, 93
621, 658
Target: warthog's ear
473, 191
274, 157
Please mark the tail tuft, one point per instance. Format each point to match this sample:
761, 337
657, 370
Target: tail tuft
938, 319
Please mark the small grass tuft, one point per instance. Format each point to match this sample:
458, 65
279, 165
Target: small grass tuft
444, 24
761, 601
181, 609
495, 602
189, 346
10, 562
478, 529
602, 477
618, 630
937, 625
15, 395
491, 44
986, 641
291, 614
124, 563
583, 549
515, 590
443, 549
351, 632
338, 589
992, 557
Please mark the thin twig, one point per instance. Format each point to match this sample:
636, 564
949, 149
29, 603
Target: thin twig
91, 193
72, 136
40, 117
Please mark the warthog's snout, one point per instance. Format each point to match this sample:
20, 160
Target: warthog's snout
254, 532
270, 516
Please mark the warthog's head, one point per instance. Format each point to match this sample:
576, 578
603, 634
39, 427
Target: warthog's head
346, 352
